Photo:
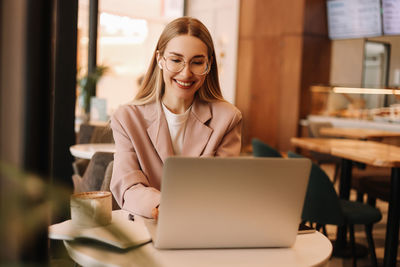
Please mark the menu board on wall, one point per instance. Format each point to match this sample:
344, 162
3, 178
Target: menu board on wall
391, 16
354, 18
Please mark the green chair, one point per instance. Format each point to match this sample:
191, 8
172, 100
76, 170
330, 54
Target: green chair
322, 206
261, 149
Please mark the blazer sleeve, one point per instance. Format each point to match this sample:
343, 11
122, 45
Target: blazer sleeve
231, 142
129, 184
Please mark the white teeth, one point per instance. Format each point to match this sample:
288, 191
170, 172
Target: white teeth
183, 83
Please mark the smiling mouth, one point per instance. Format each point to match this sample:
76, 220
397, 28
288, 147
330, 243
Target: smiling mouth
184, 84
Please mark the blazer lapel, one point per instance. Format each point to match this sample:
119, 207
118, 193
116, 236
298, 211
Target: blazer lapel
197, 133
158, 130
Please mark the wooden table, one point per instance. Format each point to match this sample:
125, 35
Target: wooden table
357, 133
372, 153
312, 249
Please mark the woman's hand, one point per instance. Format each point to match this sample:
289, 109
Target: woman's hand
154, 213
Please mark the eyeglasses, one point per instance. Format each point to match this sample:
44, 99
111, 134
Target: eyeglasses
198, 66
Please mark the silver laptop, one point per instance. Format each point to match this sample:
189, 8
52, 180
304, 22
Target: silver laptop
230, 202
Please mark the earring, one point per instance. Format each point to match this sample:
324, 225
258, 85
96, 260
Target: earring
159, 64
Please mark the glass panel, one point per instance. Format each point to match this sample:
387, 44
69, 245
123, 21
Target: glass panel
375, 72
127, 34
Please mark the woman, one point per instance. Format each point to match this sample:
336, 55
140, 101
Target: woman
179, 110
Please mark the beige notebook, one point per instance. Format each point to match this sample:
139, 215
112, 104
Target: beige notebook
122, 232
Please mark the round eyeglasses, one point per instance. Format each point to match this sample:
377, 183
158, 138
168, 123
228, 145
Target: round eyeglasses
197, 65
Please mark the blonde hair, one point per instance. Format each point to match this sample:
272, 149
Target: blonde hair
152, 87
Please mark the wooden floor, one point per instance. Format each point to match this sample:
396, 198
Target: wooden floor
379, 232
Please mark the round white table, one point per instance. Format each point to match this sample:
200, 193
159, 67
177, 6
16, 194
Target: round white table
309, 250
86, 151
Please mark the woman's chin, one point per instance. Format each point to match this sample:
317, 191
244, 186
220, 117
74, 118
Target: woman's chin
186, 94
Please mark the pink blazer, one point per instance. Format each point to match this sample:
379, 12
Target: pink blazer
143, 143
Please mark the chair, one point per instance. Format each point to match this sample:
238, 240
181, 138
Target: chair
261, 149
373, 181
97, 175
89, 133
322, 206
105, 186
79, 166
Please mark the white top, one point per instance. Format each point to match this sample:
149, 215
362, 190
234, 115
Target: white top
309, 250
176, 126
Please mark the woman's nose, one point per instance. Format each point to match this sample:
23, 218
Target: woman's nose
186, 71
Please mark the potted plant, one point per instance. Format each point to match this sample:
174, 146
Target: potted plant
87, 89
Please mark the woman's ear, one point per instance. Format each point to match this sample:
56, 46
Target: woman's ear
159, 60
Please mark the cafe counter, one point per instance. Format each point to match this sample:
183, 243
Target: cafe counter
353, 123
